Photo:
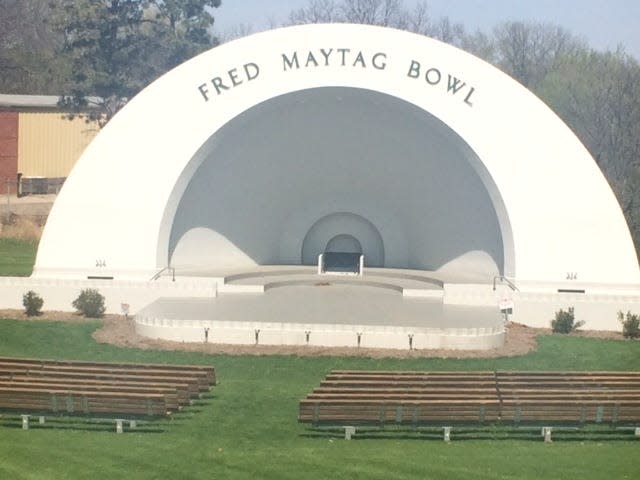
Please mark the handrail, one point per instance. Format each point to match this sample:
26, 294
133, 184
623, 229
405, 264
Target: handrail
504, 279
157, 275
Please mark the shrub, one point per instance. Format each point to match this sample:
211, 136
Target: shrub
89, 303
32, 303
630, 324
565, 322
21, 228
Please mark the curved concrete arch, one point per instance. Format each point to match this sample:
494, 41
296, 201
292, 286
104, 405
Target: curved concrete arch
343, 224
549, 197
344, 242
334, 152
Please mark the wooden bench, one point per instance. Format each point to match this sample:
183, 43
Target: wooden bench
172, 400
446, 399
194, 387
402, 397
99, 388
208, 371
204, 375
570, 397
181, 390
82, 402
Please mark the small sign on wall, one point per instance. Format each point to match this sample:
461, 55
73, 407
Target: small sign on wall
506, 305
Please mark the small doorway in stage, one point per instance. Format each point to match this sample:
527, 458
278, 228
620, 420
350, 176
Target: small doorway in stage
342, 255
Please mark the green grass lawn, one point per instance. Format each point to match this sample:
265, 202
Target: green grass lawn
17, 257
248, 429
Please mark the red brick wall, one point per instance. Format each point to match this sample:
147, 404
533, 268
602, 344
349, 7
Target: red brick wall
8, 150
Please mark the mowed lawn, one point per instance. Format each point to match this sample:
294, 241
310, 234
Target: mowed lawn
17, 257
248, 430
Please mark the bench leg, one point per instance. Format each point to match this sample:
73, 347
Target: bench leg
25, 422
447, 434
348, 432
41, 420
636, 432
118, 426
132, 424
546, 432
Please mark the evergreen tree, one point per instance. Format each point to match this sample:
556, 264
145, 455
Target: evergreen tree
117, 47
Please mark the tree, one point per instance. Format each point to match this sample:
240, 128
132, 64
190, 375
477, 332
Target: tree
117, 47
480, 44
387, 13
373, 12
447, 32
238, 31
27, 49
317, 11
529, 51
598, 95
180, 28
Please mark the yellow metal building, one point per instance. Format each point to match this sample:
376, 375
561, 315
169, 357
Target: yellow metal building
49, 144
39, 144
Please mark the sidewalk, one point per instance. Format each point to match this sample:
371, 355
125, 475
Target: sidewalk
27, 205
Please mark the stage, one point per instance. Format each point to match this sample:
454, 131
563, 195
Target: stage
385, 308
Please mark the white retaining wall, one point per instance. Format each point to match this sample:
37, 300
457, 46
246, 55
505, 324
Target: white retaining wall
58, 294
535, 304
244, 333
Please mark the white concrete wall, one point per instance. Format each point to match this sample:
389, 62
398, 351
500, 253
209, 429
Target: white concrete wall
535, 305
58, 294
598, 312
244, 333
556, 213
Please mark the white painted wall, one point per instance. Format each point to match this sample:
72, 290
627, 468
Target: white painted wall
555, 212
244, 333
58, 294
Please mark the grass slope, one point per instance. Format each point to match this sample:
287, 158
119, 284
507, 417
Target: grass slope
248, 428
17, 257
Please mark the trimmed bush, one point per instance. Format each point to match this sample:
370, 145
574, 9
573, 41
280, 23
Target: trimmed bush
32, 303
630, 324
89, 303
565, 321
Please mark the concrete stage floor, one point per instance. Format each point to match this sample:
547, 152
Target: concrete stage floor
339, 303
298, 294
283, 305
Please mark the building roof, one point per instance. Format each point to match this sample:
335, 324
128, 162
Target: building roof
32, 102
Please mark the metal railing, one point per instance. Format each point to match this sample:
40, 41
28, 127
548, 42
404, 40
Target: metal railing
504, 279
159, 274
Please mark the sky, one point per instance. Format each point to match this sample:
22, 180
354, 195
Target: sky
603, 24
